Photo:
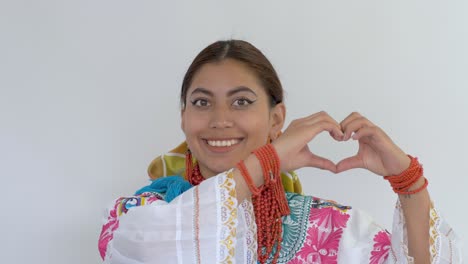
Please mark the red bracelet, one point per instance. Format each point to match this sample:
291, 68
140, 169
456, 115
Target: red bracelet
248, 179
270, 163
402, 183
426, 182
270, 205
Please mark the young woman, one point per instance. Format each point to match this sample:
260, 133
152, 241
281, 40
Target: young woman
237, 198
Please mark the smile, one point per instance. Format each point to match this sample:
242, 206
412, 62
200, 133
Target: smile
223, 143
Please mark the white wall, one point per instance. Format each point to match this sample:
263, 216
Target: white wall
89, 95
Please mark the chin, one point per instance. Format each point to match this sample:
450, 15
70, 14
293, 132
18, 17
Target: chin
219, 164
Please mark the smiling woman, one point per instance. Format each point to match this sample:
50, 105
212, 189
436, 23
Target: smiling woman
227, 115
233, 196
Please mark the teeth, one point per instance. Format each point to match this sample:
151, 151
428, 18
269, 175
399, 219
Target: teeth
223, 143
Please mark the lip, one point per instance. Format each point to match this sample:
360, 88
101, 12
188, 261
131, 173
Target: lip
223, 149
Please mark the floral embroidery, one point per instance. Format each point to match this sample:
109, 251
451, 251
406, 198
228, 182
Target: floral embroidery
296, 261
434, 225
328, 217
108, 229
326, 221
320, 246
227, 218
381, 249
125, 203
121, 206
294, 227
250, 232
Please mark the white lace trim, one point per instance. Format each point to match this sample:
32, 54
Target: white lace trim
251, 232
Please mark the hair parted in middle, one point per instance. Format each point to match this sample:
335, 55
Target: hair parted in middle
243, 52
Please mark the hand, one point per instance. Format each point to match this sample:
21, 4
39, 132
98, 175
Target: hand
377, 152
292, 147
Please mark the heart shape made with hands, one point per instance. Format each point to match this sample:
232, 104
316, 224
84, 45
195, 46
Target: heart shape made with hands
333, 150
376, 151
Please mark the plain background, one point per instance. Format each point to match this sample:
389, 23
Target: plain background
89, 96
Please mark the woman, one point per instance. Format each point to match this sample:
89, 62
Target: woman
230, 205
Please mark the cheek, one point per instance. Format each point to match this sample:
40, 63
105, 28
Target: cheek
257, 127
193, 124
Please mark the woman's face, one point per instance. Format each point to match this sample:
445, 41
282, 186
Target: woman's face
227, 115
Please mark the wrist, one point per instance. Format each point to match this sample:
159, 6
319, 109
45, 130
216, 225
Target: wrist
280, 155
410, 181
418, 184
254, 167
404, 164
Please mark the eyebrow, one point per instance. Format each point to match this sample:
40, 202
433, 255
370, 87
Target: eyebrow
241, 89
230, 93
202, 90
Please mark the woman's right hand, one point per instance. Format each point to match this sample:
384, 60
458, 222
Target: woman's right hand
292, 147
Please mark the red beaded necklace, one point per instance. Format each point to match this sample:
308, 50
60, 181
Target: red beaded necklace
268, 211
192, 173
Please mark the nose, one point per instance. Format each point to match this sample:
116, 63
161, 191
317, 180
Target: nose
221, 119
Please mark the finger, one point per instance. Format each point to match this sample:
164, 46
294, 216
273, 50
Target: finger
349, 163
349, 119
320, 114
338, 137
373, 132
299, 134
315, 126
345, 123
318, 118
322, 163
314, 118
325, 125
354, 125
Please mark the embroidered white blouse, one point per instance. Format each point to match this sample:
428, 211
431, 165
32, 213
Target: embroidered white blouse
207, 225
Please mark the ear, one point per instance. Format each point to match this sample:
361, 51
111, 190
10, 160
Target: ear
277, 118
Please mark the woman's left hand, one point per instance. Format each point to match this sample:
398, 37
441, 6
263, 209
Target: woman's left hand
377, 152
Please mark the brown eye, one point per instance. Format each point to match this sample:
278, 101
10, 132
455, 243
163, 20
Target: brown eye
200, 103
242, 102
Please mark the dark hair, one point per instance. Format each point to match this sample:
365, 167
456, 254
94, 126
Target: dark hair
241, 51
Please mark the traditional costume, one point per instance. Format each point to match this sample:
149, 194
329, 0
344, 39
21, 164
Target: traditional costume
171, 221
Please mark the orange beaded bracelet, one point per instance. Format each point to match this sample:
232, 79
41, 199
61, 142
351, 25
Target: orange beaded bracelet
269, 201
402, 183
248, 179
269, 161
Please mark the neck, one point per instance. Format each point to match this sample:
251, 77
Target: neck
206, 173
